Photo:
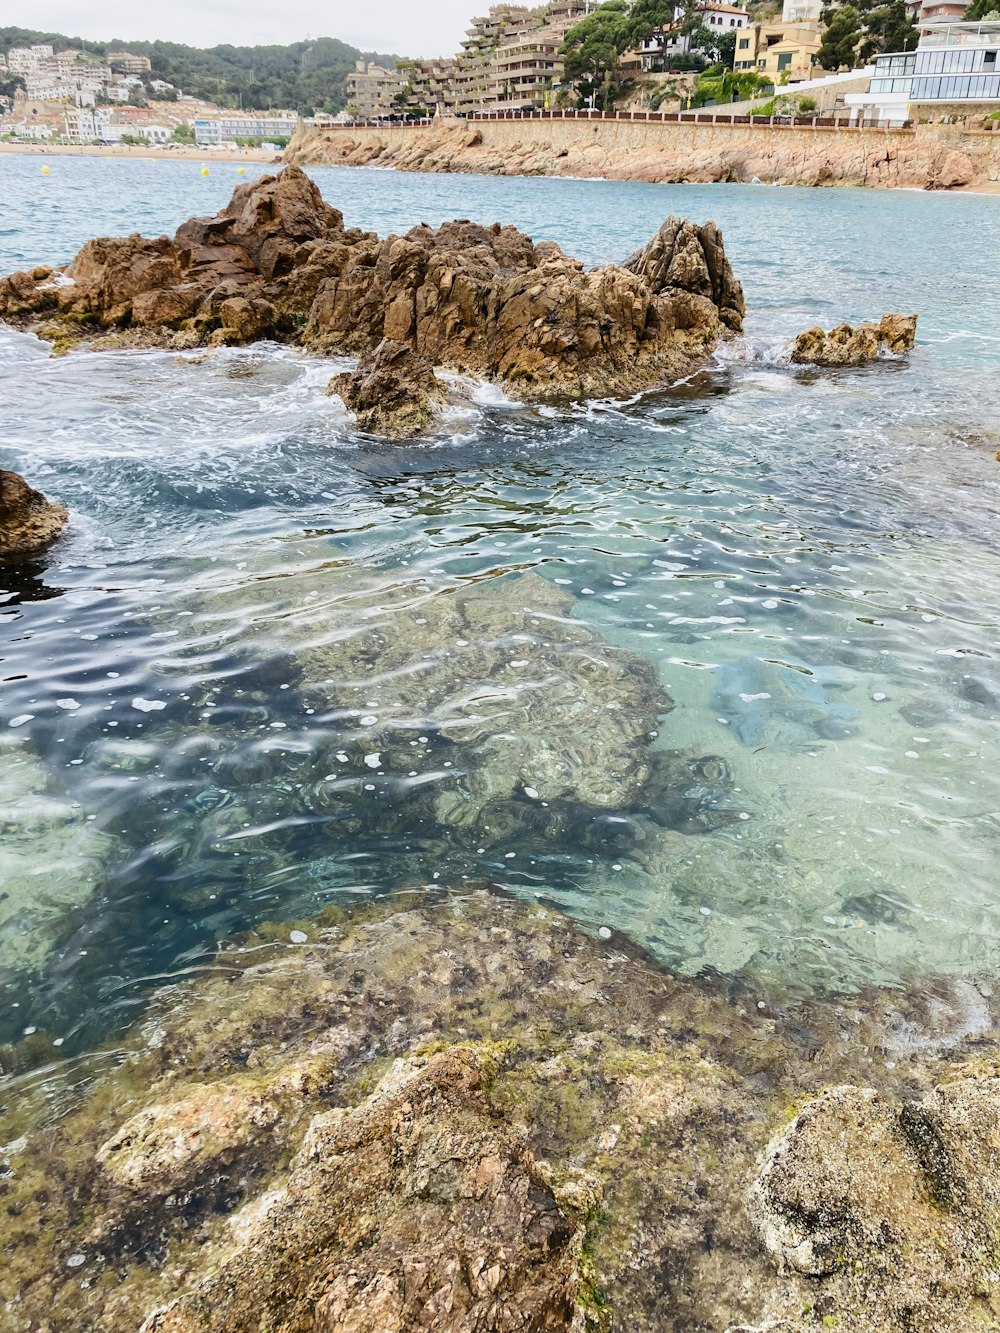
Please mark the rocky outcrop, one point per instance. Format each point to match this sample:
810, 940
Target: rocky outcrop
279, 263
394, 391
461, 1113
28, 521
931, 157
858, 346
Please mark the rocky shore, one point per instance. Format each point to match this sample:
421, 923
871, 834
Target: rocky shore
279, 263
459, 1112
667, 154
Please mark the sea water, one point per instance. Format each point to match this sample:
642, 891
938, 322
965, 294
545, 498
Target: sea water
808, 559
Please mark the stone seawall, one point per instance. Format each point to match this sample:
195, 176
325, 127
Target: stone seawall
927, 157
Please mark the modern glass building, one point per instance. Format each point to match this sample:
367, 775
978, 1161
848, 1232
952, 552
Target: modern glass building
955, 62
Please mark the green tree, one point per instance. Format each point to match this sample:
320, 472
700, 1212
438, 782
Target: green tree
592, 48
889, 28
183, 134
840, 41
982, 9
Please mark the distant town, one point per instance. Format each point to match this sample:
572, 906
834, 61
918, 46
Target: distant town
876, 61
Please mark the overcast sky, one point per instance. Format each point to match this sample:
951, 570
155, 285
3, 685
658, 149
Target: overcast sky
403, 27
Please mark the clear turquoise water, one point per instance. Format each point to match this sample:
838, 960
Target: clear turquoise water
808, 559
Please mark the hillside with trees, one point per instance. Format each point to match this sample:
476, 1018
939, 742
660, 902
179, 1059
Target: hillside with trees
305, 76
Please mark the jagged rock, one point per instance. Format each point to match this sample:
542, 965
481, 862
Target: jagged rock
28, 521
847, 346
393, 392
279, 263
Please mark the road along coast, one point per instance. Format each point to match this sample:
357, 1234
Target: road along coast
627, 146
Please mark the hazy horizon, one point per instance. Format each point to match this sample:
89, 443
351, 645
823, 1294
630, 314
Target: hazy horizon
387, 25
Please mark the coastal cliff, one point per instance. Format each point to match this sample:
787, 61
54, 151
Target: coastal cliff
929, 157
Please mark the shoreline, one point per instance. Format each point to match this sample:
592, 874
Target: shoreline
179, 153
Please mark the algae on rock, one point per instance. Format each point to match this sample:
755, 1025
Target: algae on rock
460, 1112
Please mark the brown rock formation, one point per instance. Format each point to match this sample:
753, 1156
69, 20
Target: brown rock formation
873, 1193
28, 521
847, 346
278, 262
394, 392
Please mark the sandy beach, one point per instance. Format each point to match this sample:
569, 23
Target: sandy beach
180, 152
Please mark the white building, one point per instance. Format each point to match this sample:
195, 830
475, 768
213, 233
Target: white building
955, 64
719, 18
801, 11
243, 125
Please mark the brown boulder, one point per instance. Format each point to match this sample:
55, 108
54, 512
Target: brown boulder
28, 521
860, 346
394, 392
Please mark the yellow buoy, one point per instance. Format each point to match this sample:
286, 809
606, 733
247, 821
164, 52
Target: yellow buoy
241, 171
204, 171
46, 171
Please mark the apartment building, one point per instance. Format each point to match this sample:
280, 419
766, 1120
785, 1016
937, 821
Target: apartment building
430, 86
374, 91
955, 70
666, 43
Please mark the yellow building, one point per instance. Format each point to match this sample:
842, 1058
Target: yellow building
779, 51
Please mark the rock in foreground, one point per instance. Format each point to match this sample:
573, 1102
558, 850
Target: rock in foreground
278, 262
28, 521
847, 346
465, 1115
394, 391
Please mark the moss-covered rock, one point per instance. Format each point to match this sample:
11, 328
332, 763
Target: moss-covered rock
462, 1113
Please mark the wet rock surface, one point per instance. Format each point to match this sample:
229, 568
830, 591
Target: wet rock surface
279, 263
847, 346
393, 392
28, 521
462, 1113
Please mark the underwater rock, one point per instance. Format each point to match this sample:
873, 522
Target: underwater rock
393, 392
778, 703
508, 691
51, 860
28, 521
277, 262
847, 346
467, 1114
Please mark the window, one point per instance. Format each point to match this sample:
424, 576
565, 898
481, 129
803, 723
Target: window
744, 42
784, 61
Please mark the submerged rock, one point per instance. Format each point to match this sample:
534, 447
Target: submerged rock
463, 1114
28, 521
847, 346
278, 262
51, 859
778, 703
393, 392
485, 691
